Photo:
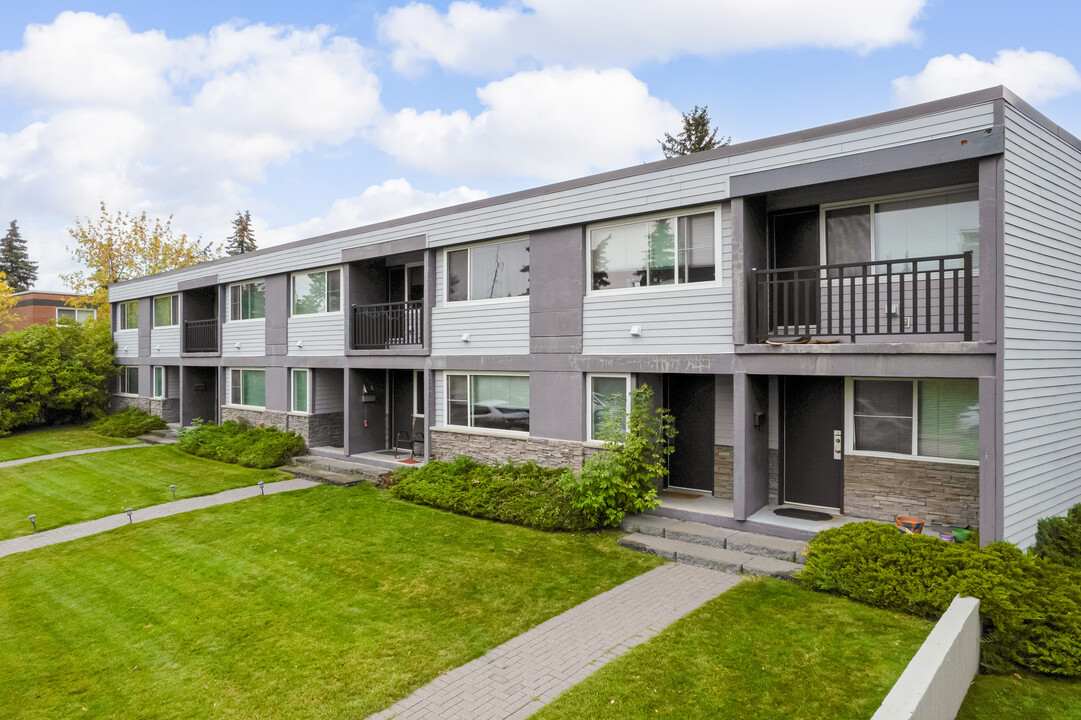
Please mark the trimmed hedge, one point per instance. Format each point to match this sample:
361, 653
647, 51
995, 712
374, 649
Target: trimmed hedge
1059, 538
1030, 607
236, 442
525, 494
128, 423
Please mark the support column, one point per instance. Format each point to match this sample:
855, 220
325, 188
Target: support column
992, 517
750, 451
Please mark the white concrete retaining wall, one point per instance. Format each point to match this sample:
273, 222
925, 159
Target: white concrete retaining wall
934, 684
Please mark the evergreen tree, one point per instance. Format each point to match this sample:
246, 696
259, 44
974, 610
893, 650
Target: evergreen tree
15, 262
243, 238
695, 136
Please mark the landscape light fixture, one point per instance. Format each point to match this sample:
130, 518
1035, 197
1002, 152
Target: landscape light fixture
173, 488
33, 521
128, 511
261, 488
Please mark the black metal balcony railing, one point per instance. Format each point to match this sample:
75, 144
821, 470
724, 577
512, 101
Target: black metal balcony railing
387, 324
914, 296
201, 335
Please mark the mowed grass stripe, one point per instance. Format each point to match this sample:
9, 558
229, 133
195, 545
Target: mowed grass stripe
85, 487
320, 603
54, 440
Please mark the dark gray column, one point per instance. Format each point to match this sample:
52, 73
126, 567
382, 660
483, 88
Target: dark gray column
750, 447
277, 314
146, 380
991, 193
556, 289
748, 251
277, 388
992, 515
146, 314
556, 405
429, 410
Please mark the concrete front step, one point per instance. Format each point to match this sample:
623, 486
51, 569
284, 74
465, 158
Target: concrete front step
765, 546
358, 472
709, 556
326, 477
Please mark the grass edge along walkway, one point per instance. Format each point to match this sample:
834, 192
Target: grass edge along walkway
68, 453
111, 522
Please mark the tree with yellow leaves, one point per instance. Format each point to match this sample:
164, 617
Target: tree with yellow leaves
123, 246
7, 303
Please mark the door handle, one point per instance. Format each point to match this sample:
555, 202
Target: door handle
837, 444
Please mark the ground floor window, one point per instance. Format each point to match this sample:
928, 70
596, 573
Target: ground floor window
247, 387
159, 381
128, 381
931, 418
609, 400
497, 402
301, 390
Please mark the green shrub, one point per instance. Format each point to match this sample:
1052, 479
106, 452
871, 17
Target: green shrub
1059, 538
1030, 607
128, 423
236, 442
623, 478
525, 494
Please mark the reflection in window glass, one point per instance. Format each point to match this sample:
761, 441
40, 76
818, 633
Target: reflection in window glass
882, 414
653, 252
608, 400
317, 292
946, 224
485, 272
946, 426
499, 402
247, 301
165, 311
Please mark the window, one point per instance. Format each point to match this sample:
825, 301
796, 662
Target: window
75, 314
647, 253
247, 387
484, 272
247, 301
418, 393
497, 402
609, 397
318, 291
128, 381
128, 313
301, 391
944, 223
922, 418
166, 311
159, 381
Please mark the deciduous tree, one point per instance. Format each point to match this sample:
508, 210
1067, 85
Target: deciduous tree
15, 262
695, 136
243, 238
7, 303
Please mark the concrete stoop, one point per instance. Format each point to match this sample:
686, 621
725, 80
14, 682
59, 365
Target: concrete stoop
168, 436
713, 547
333, 472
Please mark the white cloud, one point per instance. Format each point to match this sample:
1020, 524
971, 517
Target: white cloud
1035, 76
548, 124
388, 200
603, 33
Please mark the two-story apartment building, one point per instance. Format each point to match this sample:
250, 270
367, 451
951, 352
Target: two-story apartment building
878, 317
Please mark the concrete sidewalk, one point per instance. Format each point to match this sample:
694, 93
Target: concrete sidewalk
69, 453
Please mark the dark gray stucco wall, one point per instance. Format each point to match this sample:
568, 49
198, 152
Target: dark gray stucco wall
556, 290
277, 388
748, 251
277, 314
146, 314
556, 401
992, 511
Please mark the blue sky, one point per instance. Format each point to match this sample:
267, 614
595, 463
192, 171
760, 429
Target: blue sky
322, 116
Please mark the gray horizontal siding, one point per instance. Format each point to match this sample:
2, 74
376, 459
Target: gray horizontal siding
440, 393
165, 342
322, 334
1042, 327
328, 387
664, 189
172, 381
723, 431
250, 335
496, 327
127, 343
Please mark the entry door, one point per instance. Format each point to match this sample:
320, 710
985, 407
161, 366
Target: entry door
813, 411
690, 398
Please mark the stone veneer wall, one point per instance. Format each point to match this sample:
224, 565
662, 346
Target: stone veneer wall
722, 472
317, 430
168, 409
883, 488
123, 402
447, 444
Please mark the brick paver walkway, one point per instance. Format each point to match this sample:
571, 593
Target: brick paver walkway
69, 453
92, 527
522, 675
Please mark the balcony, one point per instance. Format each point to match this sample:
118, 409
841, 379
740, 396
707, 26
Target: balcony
386, 325
201, 336
897, 299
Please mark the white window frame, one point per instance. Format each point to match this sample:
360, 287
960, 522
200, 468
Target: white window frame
309, 378
229, 300
326, 303
77, 311
418, 380
469, 386
447, 302
164, 382
122, 320
872, 201
123, 381
231, 386
174, 311
850, 425
590, 430
718, 272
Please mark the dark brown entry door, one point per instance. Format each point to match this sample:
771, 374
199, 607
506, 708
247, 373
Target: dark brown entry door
813, 411
690, 398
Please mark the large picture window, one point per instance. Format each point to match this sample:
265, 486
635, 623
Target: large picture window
127, 315
127, 383
69, 315
247, 301
933, 418
166, 311
484, 272
317, 291
661, 251
247, 387
497, 402
609, 399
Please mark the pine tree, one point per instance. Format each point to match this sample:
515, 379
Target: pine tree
15, 263
243, 238
695, 136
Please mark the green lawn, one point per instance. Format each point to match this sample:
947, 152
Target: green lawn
85, 487
321, 603
53, 440
765, 649
1007, 697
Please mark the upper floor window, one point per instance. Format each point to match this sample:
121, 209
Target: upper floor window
166, 311
247, 301
492, 270
128, 315
317, 291
915, 226
670, 250
75, 314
